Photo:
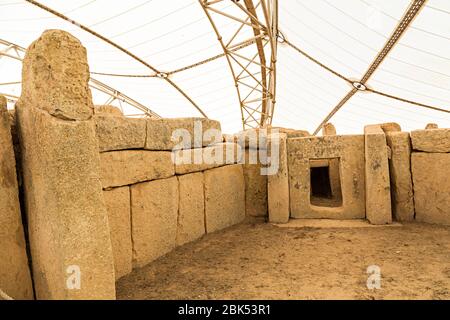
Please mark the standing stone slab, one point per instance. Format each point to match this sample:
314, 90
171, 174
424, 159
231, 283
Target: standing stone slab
431, 187
303, 152
224, 197
278, 185
15, 277
378, 190
400, 175
328, 129
118, 207
120, 168
431, 140
154, 214
166, 134
67, 219
191, 215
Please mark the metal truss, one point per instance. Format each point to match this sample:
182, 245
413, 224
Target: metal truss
16, 52
253, 71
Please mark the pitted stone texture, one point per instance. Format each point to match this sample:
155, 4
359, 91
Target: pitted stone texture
120, 133
182, 133
431, 140
200, 159
350, 151
378, 190
400, 175
15, 277
67, 218
55, 76
224, 197
120, 168
107, 110
328, 130
278, 185
118, 207
154, 214
255, 191
191, 212
431, 187
431, 126
390, 127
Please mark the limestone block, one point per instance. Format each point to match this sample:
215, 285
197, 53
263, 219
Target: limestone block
255, 190
328, 130
278, 185
154, 214
15, 277
349, 152
119, 133
118, 207
182, 133
107, 110
431, 126
67, 219
378, 190
258, 138
431, 140
201, 159
191, 212
400, 176
390, 127
431, 187
120, 168
224, 197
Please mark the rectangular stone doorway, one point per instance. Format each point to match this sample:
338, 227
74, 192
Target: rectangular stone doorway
325, 182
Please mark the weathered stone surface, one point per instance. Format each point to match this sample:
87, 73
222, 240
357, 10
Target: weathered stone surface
431, 126
278, 185
15, 277
191, 212
118, 207
431, 187
200, 159
328, 129
390, 127
400, 176
182, 133
224, 197
258, 138
378, 189
154, 213
120, 168
432, 140
255, 190
119, 133
67, 218
107, 110
349, 150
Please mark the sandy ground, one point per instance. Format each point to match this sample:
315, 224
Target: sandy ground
263, 261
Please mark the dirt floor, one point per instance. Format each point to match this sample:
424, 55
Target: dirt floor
263, 261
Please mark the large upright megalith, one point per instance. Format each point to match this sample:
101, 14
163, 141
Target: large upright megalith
15, 277
68, 224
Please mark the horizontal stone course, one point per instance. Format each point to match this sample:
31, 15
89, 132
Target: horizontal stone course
431, 140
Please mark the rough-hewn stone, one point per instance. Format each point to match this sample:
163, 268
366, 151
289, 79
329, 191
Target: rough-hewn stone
258, 138
378, 190
191, 211
120, 168
431, 187
154, 213
349, 150
431, 126
431, 140
15, 277
67, 218
328, 129
182, 133
255, 191
400, 176
224, 197
118, 207
120, 133
107, 110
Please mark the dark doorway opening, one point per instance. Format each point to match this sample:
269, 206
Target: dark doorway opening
325, 183
320, 182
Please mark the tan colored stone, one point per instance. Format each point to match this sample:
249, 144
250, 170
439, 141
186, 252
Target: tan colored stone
431, 187
431, 126
224, 197
191, 212
378, 188
107, 110
154, 214
119, 133
201, 159
433, 140
255, 190
258, 138
67, 218
118, 207
15, 277
120, 168
349, 149
328, 129
400, 176
390, 127
278, 185
182, 133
